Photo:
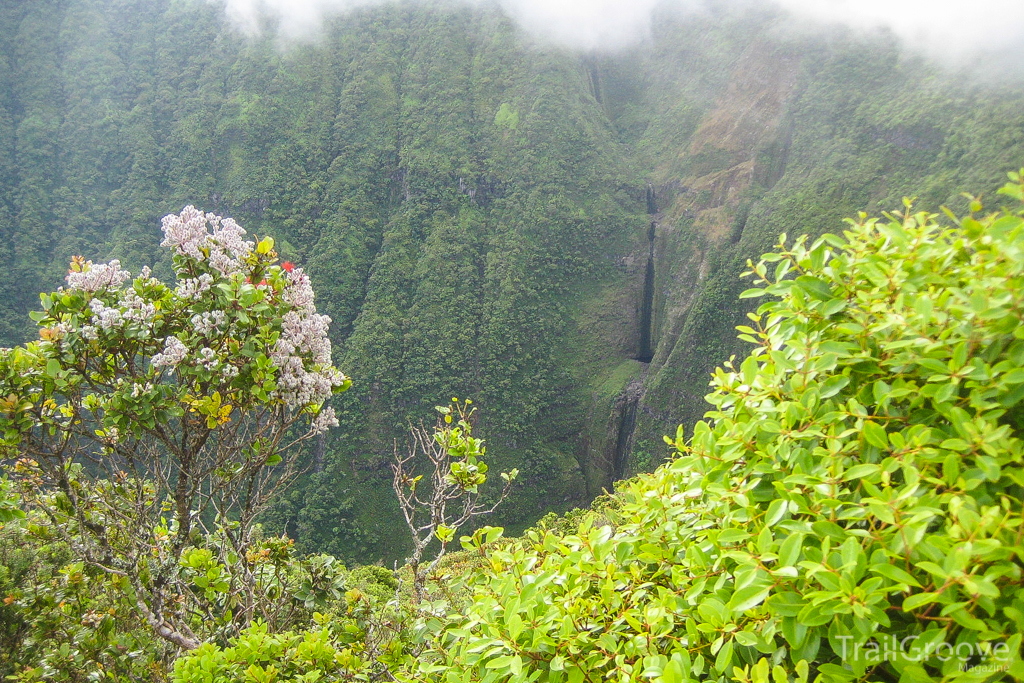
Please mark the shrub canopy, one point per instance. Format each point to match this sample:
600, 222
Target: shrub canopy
851, 507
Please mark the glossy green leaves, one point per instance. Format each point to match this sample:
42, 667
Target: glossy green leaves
858, 482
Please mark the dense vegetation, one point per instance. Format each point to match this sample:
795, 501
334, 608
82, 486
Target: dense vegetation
474, 208
560, 237
424, 165
851, 510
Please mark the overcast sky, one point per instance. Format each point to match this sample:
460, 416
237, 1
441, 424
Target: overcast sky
943, 28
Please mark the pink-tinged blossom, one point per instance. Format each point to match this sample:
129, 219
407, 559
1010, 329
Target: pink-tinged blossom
174, 353
207, 237
208, 322
208, 358
303, 342
96, 276
193, 288
105, 317
324, 420
136, 308
301, 353
146, 275
298, 290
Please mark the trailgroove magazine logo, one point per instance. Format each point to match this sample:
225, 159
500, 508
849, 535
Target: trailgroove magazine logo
987, 657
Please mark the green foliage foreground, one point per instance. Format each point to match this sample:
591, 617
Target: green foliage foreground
850, 511
858, 481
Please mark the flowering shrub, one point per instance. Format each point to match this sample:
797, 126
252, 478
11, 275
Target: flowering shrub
148, 416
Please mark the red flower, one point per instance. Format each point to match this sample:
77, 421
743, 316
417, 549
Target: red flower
288, 266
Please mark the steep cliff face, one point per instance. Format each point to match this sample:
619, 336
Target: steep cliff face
698, 201
735, 157
766, 134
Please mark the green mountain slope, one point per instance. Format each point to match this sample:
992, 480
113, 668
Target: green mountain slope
555, 235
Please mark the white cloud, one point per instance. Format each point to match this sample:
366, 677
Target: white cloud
577, 23
585, 23
297, 17
943, 28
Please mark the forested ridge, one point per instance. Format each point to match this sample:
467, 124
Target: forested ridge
483, 215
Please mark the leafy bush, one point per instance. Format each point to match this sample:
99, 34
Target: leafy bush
851, 509
360, 636
63, 621
260, 657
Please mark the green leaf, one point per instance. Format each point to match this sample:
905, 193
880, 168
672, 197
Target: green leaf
918, 600
862, 470
502, 662
832, 307
514, 623
814, 286
748, 597
776, 511
896, 574
444, 533
724, 658
789, 553
875, 434
673, 672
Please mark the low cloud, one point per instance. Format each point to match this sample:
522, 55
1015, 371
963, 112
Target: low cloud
585, 24
947, 29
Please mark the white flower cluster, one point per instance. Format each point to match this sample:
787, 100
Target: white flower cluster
95, 276
105, 317
324, 420
174, 353
133, 309
207, 237
208, 358
111, 435
208, 322
136, 308
304, 341
301, 353
193, 288
299, 291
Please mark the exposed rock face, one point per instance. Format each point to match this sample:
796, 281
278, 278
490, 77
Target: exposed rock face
749, 135
698, 206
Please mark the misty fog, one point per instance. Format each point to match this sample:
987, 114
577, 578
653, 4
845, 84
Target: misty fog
944, 29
